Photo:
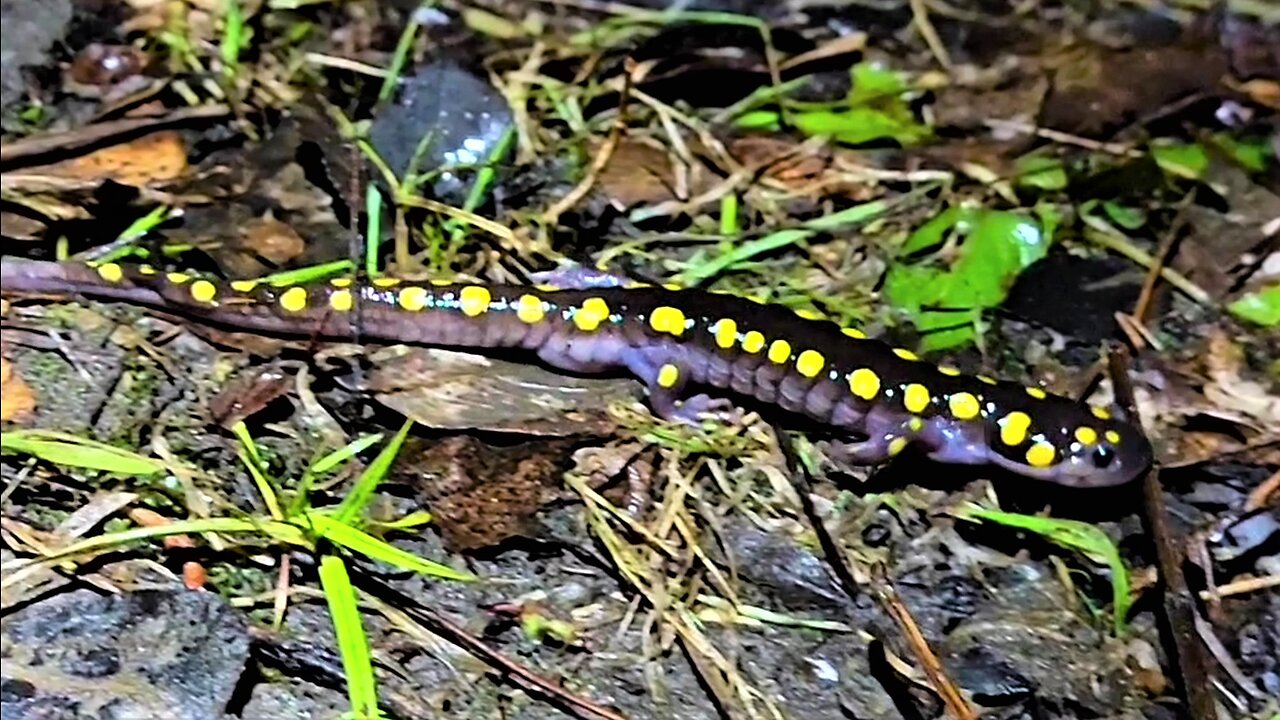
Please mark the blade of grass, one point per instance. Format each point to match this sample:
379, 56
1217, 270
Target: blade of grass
1081, 537
281, 532
353, 644
365, 544
353, 505
345, 453
73, 451
252, 460
373, 231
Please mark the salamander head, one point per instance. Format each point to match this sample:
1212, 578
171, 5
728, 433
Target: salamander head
1085, 447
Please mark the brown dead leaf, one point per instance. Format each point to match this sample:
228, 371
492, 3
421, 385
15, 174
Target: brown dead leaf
272, 240
1096, 90
16, 399
638, 173
156, 157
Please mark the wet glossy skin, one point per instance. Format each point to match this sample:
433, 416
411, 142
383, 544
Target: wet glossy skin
882, 399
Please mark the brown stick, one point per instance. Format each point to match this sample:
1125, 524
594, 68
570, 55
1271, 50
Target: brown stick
1177, 600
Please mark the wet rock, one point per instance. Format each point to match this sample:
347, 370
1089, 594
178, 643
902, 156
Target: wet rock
444, 119
294, 699
27, 30
152, 654
792, 574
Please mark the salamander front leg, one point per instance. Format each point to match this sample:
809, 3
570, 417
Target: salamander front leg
872, 451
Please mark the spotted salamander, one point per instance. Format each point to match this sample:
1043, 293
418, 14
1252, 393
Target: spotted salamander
878, 399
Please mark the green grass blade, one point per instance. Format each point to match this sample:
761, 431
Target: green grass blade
282, 532
358, 499
353, 644
1074, 535
345, 453
252, 460
73, 451
358, 541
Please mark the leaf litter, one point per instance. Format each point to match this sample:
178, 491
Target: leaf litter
999, 191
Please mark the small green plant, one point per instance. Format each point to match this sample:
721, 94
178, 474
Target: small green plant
1073, 535
330, 532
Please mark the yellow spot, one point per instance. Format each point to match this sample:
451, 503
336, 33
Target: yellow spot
1100, 413
948, 370
809, 314
1037, 393
529, 309
964, 406
779, 351
146, 270
593, 312
986, 379
864, 383
1086, 435
440, 282
1041, 454
672, 287
905, 354
474, 300
244, 286
1112, 437
1013, 428
810, 363
753, 342
668, 320
896, 446
341, 301
547, 287
413, 298
668, 375
203, 291
341, 282
294, 299
915, 424
110, 272
854, 333
386, 282
726, 333
915, 397
176, 278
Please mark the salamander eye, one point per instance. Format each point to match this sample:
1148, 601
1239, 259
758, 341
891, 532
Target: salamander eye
1103, 456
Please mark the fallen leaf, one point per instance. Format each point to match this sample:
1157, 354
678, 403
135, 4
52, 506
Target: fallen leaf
16, 399
152, 158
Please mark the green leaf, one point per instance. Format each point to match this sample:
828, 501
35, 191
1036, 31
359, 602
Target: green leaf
946, 302
764, 120
873, 82
1260, 308
72, 451
1254, 154
1126, 217
361, 494
860, 125
358, 541
1042, 172
1081, 537
353, 644
1181, 159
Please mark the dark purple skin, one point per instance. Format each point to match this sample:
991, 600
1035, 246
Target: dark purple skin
626, 340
